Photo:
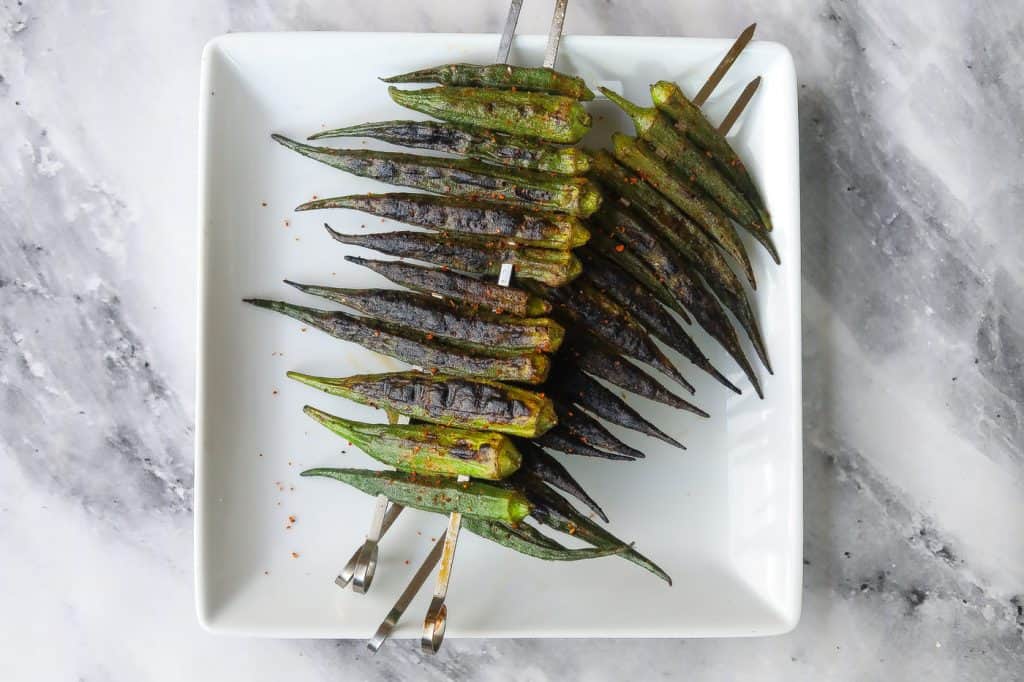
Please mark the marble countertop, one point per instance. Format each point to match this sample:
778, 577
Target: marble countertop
912, 158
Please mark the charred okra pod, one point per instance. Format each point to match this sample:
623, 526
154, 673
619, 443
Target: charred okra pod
501, 76
479, 256
561, 439
488, 334
541, 464
531, 114
413, 347
428, 448
476, 143
576, 386
518, 539
460, 177
604, 363
588, 430
464, 216
445, 399
468, 291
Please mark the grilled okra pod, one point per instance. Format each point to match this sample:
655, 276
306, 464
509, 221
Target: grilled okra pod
487, 334
540, 463
695, 170
445, 399
576, 386
476, 143
515, 537
615, 283
413, 347
554, 118
636, 239
464, 216
688, 239
607, 320
590, 431
501, 76
460, 177
604, 363
702, 209
479, 256
561, 439
554, 511
467, 290
440, 494
428, 448
690, 120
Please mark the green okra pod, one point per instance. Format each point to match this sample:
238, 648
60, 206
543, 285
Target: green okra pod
464, 216
468, 291
689, 240
479, 256
690, 120
694, 172
576, 386
514, 537
488, 334
438, 494
445, 399
500, 76
414, 347
476, 143
460, 177
428, 448
702, 209
531, 114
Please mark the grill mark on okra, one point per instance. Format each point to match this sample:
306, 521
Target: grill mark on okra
456, 286
413, 347
452, 214
460, 177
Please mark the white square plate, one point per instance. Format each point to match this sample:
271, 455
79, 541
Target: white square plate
723, 518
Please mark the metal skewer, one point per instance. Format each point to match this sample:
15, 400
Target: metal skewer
510, 30
555, 34
363, 564
723, 66
737, 108
436, 620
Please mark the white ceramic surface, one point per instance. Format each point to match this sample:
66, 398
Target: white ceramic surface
724, 518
